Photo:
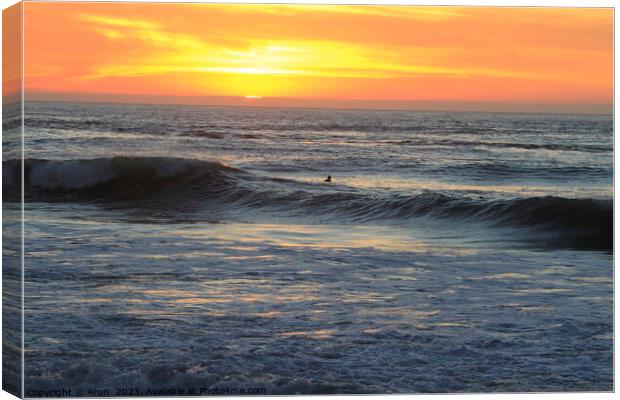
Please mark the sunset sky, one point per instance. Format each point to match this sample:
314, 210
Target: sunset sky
320, 55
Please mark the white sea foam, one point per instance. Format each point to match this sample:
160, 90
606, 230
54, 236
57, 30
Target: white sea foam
196, 306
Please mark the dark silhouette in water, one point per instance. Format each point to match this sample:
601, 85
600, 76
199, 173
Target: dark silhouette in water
329, 178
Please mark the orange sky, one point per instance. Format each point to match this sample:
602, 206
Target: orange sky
377, 53
11, 54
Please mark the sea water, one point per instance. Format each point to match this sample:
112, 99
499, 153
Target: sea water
192, 247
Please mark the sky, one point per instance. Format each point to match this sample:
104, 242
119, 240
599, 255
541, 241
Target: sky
11, 54
463, 58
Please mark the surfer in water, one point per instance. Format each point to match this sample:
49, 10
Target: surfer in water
329, 178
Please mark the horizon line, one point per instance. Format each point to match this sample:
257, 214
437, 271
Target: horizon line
319, 103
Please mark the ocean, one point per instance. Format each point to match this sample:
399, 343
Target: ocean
175, 248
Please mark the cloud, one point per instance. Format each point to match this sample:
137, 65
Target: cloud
118, 22
404, 12
173, 52
143, 30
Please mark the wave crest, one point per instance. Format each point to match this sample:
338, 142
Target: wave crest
85, 174
174, 183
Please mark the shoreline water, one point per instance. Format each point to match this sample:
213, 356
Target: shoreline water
447, 255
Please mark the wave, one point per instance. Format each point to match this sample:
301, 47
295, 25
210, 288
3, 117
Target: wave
108, 179
588, 148
506, 170
220, 135
196, 185
241, 132
54, 121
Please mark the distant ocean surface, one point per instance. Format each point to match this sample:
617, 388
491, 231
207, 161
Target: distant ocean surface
190, 246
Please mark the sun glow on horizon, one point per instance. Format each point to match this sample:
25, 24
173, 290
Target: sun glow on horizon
360, 52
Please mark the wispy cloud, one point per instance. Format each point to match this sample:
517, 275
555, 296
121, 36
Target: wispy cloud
118, 22
407, 12
146, 31
180, 53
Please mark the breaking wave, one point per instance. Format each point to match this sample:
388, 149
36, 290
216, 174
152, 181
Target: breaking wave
174, 182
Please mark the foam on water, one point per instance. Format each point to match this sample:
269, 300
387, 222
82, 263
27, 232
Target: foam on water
296, 309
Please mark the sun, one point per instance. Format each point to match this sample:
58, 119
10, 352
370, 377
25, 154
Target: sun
253, 96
